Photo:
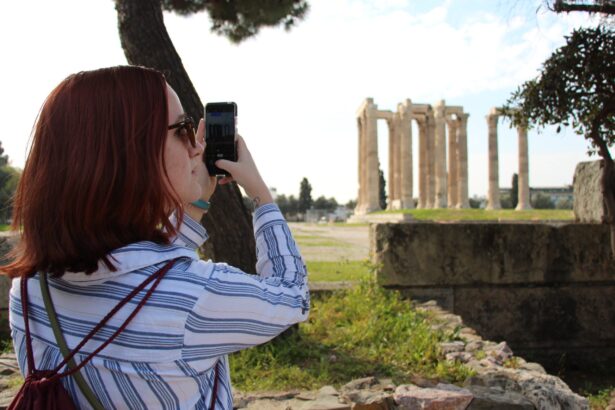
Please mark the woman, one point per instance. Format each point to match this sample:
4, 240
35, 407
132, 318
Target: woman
106, 199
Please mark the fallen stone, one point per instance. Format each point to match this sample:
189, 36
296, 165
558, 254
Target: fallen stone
548, 392
452, 347
462, 357
359, 384
501, 353
367, 397
474, 346
486, 398
534, 367
410, 397
327, 391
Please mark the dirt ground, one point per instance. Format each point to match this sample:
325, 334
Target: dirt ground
353, 241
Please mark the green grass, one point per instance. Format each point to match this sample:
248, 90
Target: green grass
327, 271
601, 399
4, 228
6, 345
484, 215
364, 331
319, 241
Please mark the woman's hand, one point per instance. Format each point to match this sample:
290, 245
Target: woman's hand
246, 174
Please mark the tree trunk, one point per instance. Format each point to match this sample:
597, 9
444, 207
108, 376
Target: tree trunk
146, 42
608, 186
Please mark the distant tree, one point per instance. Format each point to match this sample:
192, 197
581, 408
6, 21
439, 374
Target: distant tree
506, 201
514, 191
282, 202
351, 204
145, 41
564, 204
382, 189
4, 159
293, 205
9, 177
541, 201
576, 87
475, 202
327, 204
305, 196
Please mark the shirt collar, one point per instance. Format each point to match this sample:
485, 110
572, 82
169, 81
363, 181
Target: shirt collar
139, 255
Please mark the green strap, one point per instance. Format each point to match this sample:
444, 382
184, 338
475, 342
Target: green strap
55, 326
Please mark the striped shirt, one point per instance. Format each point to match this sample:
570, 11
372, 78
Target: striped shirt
200, 312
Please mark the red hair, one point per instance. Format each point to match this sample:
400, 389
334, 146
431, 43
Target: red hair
94, 177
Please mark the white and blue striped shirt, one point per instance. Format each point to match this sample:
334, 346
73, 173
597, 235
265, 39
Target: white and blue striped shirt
200, 312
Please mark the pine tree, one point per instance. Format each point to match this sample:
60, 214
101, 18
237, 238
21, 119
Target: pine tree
305, 195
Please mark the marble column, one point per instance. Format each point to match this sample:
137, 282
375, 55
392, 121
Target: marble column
373, 178
462, 166
393, 193
399, 160
431, 151
422, 203
360, 207
524, 171
405, 163
493, 196
452, 161
440, 157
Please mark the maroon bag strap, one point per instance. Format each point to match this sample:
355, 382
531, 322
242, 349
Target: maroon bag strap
24, 311
214, 393
156, 277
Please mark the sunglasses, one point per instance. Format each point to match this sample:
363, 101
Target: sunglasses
185, 130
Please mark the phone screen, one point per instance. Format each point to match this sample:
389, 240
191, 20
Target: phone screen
220, 129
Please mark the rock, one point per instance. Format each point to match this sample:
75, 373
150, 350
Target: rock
452, 347
359, 384
387, 384
486, 398
498, 379
323, 403
549, 392
533, 367
546, 392
327, 391
462, 357
307, 395
474, 346
501, 353
587, 203
410, 397
423, 381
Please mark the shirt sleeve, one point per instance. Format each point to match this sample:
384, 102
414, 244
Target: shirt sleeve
238, 310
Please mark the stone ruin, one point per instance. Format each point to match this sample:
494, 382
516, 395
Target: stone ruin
443, 162
437, 187
493, 196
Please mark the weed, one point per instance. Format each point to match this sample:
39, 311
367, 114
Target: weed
364, 331
600, 400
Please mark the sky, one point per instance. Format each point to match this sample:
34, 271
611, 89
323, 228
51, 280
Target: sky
298, 91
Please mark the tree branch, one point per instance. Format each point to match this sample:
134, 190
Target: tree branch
607, 7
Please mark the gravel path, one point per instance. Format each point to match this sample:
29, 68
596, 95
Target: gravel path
353, 240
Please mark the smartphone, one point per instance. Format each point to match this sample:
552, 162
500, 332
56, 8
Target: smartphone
220, 135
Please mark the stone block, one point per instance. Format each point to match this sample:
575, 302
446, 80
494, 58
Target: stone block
543, 318
409, 397
588, 204
497, 399
432, 255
